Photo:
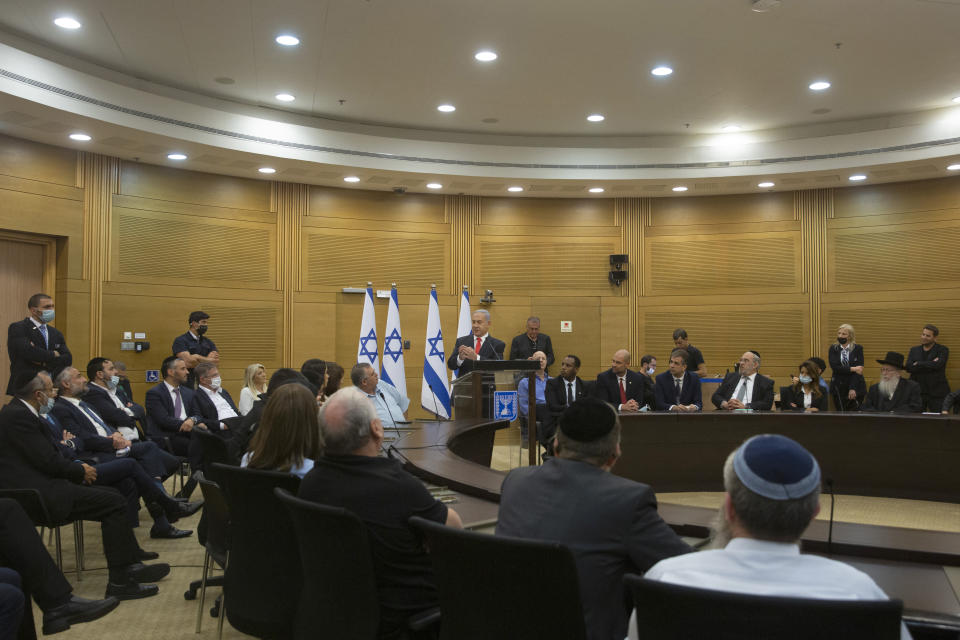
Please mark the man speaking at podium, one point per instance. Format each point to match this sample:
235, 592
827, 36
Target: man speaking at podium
479, 345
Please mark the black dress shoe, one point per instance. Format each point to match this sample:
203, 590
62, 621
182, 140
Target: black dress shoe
142, 555
171, 533
76, 610
131, 590
176, 510
148, 572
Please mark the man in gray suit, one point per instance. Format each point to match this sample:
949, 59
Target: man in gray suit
610, 523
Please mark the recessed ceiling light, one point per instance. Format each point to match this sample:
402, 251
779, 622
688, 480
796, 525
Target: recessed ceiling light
434, 185
65, 22
446, 108
596, 117
267, 170
681, 188
661, 71
288, 40
80, 137
766, 185
730, 128
284, 97
953, 167
515, 189
762, 6
176, 156
351, 179
819, 85
857, 177
957, 99
485, 56
596, 189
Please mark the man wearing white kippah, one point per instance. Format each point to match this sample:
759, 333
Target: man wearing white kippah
773, 493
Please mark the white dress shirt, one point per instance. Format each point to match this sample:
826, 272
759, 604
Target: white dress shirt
224, 410
749, 380
173, 398
76, 402
126, 432
247, 397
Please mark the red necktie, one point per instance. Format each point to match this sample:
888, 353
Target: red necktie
623, 392
477, 349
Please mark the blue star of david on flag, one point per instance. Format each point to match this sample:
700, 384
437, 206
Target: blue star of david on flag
397, 353
433, 346
365, 350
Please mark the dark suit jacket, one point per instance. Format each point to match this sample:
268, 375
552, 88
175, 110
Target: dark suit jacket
208, 412
906, 399
789, 395
927, 373
29, 459
610, 524
666, 392
74, 420
762, 392
160, 409
100, 400
843, 379
127, 390
28, 352
639, 388
492, 349
521, 348
555, 394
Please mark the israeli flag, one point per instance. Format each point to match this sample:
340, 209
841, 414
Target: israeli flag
393, 371
368, 347
464, 323
435, 389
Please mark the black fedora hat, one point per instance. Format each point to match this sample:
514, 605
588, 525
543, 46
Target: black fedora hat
893, 359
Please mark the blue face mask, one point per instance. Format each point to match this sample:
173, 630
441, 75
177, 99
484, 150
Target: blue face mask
805, 379
46, 407
113, 382
47, 315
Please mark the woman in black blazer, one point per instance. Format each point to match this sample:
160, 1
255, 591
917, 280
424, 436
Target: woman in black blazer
807, 394
847, 386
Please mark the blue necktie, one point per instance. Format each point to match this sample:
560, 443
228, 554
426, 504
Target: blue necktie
46, 339
93, 416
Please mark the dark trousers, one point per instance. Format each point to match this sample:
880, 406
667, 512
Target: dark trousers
156, 462
129, 478
932, 403
108, 507
22, 549
12, 604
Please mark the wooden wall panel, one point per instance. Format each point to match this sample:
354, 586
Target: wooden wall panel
178, 185
898, 198
38, 162
355, 205
519, 265
547, 213
733, 210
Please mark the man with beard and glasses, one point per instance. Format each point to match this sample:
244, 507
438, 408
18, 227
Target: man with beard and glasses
893, 393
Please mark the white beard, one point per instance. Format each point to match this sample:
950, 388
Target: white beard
888, 387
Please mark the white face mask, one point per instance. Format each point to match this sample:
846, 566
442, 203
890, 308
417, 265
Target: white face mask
113, 381
47, 406
651, 370
805, 379
215, 382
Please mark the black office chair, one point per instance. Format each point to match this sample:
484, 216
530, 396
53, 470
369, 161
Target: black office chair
497, 587
262, 580
674, 612
213, 449
216, 550
36, 509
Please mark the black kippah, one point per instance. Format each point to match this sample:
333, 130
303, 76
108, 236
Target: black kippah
588, 419
21, 379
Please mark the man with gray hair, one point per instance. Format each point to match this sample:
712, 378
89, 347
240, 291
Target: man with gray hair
772, 494
478, 345
893, 393
525, 345
745, 389
352, 475
390, 404
610, 523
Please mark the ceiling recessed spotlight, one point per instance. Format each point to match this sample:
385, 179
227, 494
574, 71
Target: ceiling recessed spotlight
680, 188
434, 185
515, 189
953, 167
661, 71
288, 40
857, 177
762, 6
766, 185
731, 128
596, 117
65, 22
957, 99
446, 108
819, 85
596, 189
176, 156
284, 97
267, 170
485, 56
351, 179
80, 137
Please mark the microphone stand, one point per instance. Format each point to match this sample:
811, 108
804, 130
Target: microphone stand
436, 407
390, 411
829, 483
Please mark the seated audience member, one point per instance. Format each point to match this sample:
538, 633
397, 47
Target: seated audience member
23, 553
102, 394
695, 363
29, 459
951, 403
893, 393
610, 524
288, 436
12, 602
213, 403
352, 475
772, 494
927, 364
171, 407
560, 393
315, 370
624, 389
806, 394
82, 420
125, 390
334, 378
847, 385
648, 366
248, 426
390, 405
745, 388
254, 383
678, 389
823, 367
523, 395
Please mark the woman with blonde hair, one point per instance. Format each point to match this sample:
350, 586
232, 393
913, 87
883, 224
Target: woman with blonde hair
254, 383
806, 394
288, 435
847, 386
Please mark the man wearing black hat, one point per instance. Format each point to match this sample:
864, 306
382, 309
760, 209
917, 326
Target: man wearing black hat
772, 494
893, 393
614, 527
194, 347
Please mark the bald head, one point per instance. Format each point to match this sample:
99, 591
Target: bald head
620, 362
349, 424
